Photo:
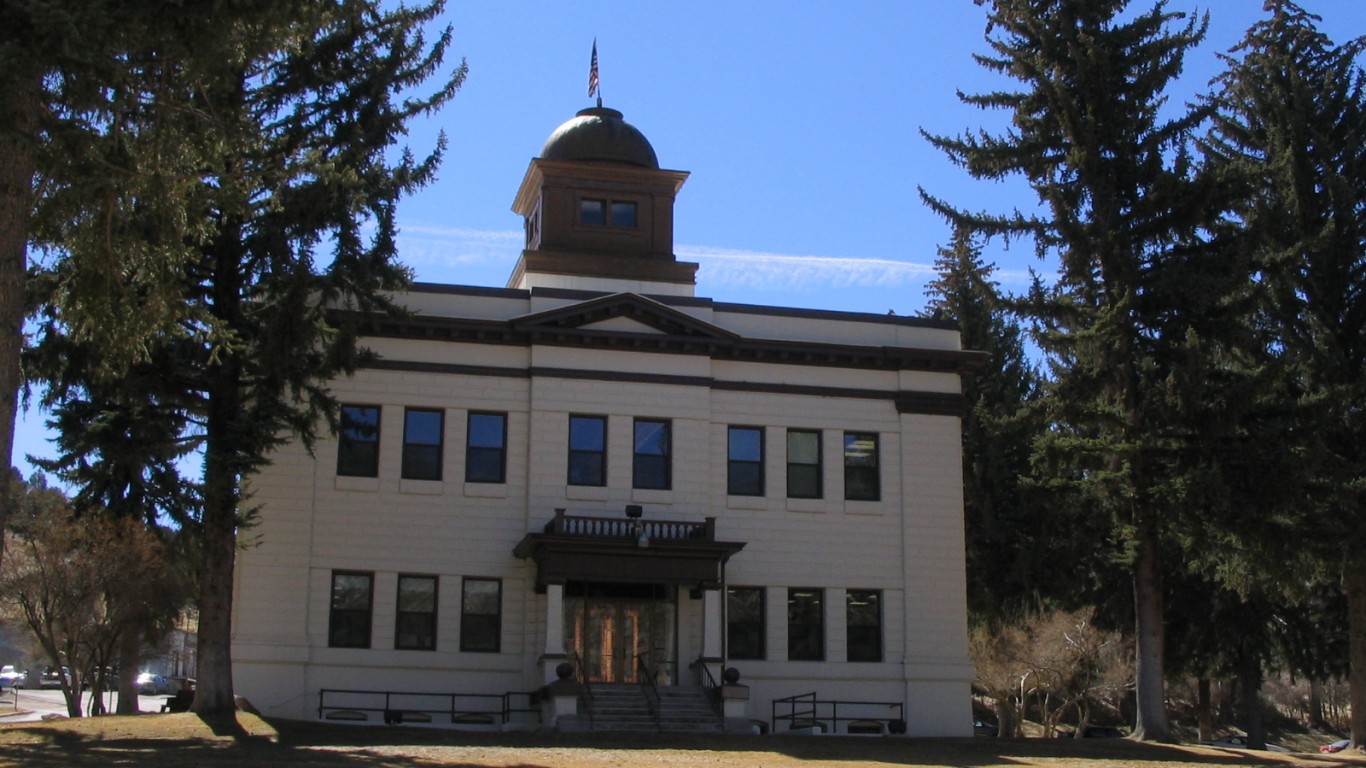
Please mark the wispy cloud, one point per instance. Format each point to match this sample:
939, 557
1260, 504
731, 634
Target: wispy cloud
463, 255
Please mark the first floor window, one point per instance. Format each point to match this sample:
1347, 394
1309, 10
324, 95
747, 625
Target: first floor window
486, 448
422, 430
588, 450
358, 441
481, 615
864, 622
803, 464
861, 467
348, 624
651, 468
745, 461
745, 622
805, 624
416, 626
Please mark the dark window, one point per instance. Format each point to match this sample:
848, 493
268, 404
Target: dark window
486, 448
860, 467
745, 468
864, 622
348, 625
805, 624
588, 450
481, 615
422, 430
358, 441
651, 468
623, 214
745, 623
803, 464
593, 212
415, 629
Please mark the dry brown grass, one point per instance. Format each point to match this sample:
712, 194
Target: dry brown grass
184, 740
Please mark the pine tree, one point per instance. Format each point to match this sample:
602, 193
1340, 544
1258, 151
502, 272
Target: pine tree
1290, 137
293, 229
1006, 557
1121, 212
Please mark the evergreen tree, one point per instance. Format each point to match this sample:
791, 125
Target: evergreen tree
1290, 137
1008, 552
1122, 213
293, 227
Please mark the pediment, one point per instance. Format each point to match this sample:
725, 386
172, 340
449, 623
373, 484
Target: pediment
622, 313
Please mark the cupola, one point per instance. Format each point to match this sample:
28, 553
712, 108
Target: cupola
598, 212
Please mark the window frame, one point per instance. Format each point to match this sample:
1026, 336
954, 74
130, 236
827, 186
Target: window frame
809, 631
409, 462
818, 467
600, 453
758, 629
467, 633
338, 619
400, 613
472, 450
738, 484
609, 213
863, 635
641, 463
857, 475
347, 463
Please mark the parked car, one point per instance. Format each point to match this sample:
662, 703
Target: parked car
8, 674
48, 678
983, 728
149, 684
1235, 741
1336, 746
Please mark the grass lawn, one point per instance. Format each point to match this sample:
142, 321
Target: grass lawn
185, 740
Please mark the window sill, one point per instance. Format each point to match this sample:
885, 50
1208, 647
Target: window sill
747, 502
487, 490
586, 492
645, 496
865, 508
807, 505
350, 483
422, 487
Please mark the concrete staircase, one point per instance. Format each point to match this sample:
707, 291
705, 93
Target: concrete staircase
682, 709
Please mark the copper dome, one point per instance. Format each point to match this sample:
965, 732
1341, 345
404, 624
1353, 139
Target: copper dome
598, 134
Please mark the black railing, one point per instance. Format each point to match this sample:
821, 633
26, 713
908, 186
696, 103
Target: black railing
626, 528
711, 687
416, 706
806, 711
645, 676
582, 677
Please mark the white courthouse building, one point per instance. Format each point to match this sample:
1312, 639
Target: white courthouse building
594, 474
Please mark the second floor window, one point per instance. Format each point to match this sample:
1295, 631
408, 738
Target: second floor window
486, 448
652, 447
803, 464
422, 444
861, 467
588, 450
358, 441
745, 461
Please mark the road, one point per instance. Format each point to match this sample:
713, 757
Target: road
31, 705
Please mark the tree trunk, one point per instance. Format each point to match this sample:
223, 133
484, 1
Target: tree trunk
1355, 582
19, 110
1204, 711
1314, 715
128, 673
1250, 693
1150, 691
213, 688
1005, 718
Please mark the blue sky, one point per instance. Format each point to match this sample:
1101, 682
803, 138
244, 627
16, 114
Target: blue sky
798, 120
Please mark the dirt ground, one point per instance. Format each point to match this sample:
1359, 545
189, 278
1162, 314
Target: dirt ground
185, 740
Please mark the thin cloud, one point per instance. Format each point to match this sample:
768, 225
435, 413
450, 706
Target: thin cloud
454, 254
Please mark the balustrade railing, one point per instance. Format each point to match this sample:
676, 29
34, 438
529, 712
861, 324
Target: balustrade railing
617, 527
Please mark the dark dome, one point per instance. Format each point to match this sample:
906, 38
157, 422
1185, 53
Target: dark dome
598, 134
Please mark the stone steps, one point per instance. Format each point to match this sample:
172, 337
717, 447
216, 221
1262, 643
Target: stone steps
625, 709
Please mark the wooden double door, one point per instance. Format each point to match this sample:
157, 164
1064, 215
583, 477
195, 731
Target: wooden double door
621, 632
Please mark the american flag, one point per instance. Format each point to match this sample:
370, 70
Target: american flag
593, 71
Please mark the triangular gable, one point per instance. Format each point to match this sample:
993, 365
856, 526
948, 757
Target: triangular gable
616, 312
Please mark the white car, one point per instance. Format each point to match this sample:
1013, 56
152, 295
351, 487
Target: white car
1236, 741
149, 684
8, 674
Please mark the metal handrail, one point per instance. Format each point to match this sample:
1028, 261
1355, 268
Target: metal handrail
811, 711
393, 713
646, 678
711, 687
582, 678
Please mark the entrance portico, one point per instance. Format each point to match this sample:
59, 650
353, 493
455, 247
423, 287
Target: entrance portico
612, 587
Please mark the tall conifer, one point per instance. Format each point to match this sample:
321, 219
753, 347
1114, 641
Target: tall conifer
1118, 208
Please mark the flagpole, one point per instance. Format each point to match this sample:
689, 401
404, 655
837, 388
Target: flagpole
593, 89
